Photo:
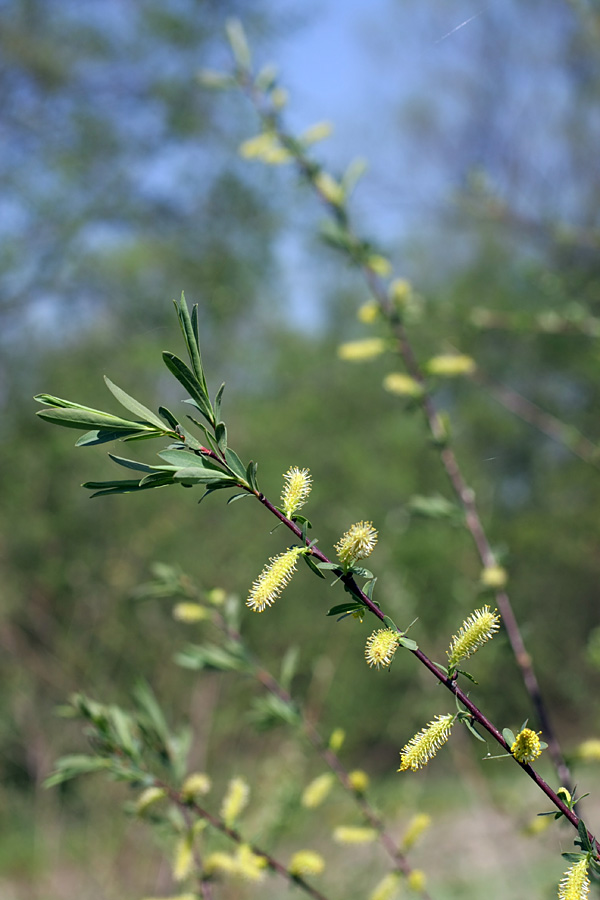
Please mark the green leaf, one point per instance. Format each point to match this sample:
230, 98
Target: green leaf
389, 623
251, 475
238, 497
329, 565
217, 403
183, 459
51, 400
583, 834
344, 608
106, 435
201, 475
148, 703
508, 736
407, 642
77, 764
168, 416
361, 572
188, 380
312, 565
134, 406
210, 442
268, 712
103, 488
467, 722
189, 329
84, 419
141, 436
368, 588
302, 521
210, 656
236, 465
221, 436
467, 675
239, 45
573, 857
132, 464
123, 728
216, 486
157, 479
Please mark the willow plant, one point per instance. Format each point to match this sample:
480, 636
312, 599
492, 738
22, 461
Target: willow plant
138, 747
203, 458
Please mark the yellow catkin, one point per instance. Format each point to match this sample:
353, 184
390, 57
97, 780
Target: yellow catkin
266, 148
575, 884
381, 646
402, 385
589, 751
234, 801
362, 350
273, 578
478, 628
356, 543
387, 888
318, 789
494, 577
348, 834
329, 188
296, 488
219, 862
451, 365
415, 828
359, 780
306, 862
399, 291
417, 880
338, 736
368, 312
217, 596
317, 132
379, 264
148, 798
424, 745
189, 613
249, 865
183, 861
526, 746
195, 785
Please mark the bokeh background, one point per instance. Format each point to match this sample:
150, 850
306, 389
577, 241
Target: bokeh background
120, 187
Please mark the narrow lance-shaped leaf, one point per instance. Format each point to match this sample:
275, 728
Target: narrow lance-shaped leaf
221, 436
105, 435
236, 465
200, 475
168, 416
183, 459
134, 406
217, 403
133, 464
186, 377
94, 419
189, 328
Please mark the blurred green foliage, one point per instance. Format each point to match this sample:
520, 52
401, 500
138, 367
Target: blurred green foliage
120, 193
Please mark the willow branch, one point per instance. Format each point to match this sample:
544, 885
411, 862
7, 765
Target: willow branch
234, 835
465, 495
